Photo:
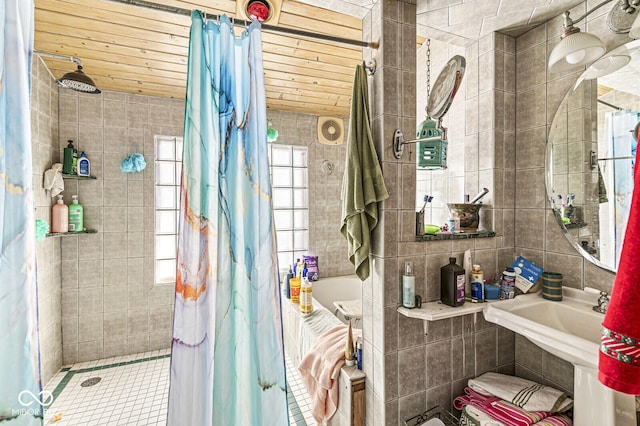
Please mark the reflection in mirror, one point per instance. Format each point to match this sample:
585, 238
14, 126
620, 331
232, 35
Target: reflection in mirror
441, 186
591, 153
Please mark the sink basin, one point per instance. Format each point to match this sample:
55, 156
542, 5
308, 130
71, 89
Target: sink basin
571, 330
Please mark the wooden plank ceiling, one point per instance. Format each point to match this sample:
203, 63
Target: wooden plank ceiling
135, 50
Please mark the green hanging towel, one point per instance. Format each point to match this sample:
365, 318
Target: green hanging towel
362, 184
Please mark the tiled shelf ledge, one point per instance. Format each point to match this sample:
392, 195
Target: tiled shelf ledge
62, 234
69, 176
434, 311
456, 236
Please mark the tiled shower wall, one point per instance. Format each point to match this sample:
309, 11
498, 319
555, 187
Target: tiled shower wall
44, 142
110, 306
538, 236
408, 371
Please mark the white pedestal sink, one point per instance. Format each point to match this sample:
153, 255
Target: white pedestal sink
570, 330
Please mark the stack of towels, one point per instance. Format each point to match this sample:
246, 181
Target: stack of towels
498, 400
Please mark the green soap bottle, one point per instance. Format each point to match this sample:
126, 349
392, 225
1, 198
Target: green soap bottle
76, 216
70, 159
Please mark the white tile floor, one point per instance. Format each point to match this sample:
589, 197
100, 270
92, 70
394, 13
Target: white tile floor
133, 390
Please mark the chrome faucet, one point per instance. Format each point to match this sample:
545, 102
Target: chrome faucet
603, 302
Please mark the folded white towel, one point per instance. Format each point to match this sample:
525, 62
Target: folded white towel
53, 179
523, 393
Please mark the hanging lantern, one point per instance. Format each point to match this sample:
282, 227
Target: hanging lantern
431, 155
258, 10
272, 134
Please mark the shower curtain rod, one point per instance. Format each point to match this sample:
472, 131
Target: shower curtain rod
272, 28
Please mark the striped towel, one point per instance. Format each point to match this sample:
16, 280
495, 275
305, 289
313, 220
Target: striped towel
498, 409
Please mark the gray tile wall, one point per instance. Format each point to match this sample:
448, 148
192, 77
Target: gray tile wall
538, 236
44, 129
409, 368
110, 306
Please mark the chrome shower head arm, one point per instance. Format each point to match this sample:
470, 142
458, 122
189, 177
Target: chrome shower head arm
60, 57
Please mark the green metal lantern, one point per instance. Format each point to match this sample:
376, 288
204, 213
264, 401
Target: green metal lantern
431, 155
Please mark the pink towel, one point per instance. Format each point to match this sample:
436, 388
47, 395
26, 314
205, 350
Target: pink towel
320, 369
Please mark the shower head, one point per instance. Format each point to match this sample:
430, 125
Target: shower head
77, 80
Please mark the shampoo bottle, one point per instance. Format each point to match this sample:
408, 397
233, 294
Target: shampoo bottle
84, 166
68, 165
477, 284
408, 287
59, 216
287, 283
306, 297
452, 279
76, 216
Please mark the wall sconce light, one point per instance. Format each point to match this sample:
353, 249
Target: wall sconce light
75, 80
577, 49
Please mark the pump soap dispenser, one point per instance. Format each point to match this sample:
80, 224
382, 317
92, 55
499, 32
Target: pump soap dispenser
76, 216
59, 217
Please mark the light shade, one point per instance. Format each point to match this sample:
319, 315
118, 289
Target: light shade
607, 65
575, 50
635, 28
77, 80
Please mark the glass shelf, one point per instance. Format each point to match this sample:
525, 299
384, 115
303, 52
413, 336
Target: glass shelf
70, 176
456, 236
63, 234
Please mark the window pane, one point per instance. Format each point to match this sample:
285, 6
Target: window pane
165, 173
165, 271
166, 247
285, 260
165, 149
166, 222
281, 198
300, 178
280, 155
285, 240
179, 149
300, 198
165, 197
281, 176
300, 157
300, 241
178, 173
283, 219
301, 219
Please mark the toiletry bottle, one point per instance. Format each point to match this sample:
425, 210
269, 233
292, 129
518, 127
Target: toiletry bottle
453, 222
299, 269
507, 284
294, 285
477, 284
306, 297
59, 216
305, 270
408, 287
295, 267
349, 355
287, 283
452, 279
84, 165
76, 213
68, 163
359, 353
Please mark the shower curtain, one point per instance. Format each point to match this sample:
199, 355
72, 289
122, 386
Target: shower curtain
227, 360
21, 398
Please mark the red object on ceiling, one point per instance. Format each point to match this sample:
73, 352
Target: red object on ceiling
259, 10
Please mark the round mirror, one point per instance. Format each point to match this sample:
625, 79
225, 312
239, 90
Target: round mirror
591, 154
445, 87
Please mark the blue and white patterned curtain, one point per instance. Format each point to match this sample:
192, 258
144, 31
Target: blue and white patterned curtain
227, 360
21, 398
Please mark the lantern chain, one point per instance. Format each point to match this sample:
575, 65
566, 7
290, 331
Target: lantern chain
428, 73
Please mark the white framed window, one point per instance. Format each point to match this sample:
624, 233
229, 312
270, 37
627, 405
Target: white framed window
168, 167
290, 189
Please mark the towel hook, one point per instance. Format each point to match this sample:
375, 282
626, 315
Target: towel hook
370, 66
